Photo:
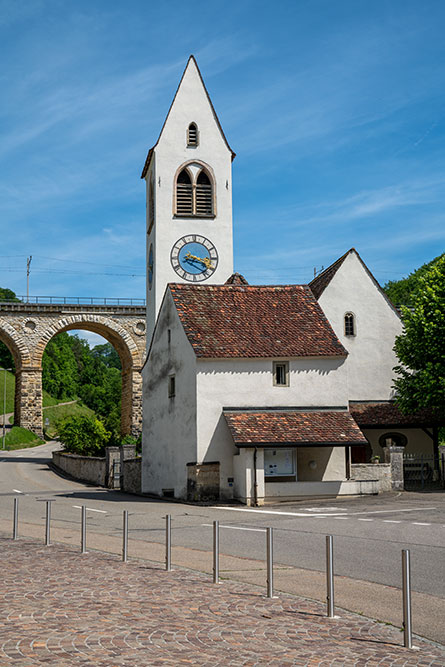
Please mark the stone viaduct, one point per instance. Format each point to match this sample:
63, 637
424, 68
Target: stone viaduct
26, 328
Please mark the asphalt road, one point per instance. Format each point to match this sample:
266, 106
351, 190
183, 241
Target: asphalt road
369, 532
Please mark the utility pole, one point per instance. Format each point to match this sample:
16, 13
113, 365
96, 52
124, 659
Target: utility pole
28, 269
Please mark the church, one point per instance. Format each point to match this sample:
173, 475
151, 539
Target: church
255, 393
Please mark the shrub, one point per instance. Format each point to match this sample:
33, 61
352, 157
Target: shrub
83, 435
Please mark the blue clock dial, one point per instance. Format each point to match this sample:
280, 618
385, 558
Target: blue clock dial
194, 258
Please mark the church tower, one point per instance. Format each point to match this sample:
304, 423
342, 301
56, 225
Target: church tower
188, 175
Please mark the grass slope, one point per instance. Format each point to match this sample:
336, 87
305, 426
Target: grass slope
10, 389
53, 410
56, 413
20, 438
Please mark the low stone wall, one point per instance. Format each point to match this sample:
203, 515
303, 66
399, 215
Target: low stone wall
203, 481
86, 468
131, 475
380, 472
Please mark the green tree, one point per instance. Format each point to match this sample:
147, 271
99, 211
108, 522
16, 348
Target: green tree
8, 295
107, 354
83, 435
6, 358
421, 347
401, 292
59, 366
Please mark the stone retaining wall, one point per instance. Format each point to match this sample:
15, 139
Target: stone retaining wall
86, 468
380, 472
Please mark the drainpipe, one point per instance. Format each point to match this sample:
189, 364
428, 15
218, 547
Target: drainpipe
255, 482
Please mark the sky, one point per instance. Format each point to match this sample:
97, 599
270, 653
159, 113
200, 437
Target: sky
336, 111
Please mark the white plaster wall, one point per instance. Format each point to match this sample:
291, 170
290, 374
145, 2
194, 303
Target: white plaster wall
169, 424
331, 464
293, 490
418, 441
243, 488
371, 357
249, 383
191, 105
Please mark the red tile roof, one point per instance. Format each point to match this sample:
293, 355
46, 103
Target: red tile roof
387, 414
236, 279
231, 321
319, 284
293, 427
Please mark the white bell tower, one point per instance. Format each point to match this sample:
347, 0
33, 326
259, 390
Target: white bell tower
188, 175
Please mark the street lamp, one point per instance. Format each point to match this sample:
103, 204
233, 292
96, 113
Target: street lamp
4, 405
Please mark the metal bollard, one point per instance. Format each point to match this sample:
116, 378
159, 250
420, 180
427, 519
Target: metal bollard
83, 531
168, 542
269, 552
406, 584
125, 536
15, 521
216, 552
330, 575
48, 523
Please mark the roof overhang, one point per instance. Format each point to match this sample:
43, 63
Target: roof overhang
300, 427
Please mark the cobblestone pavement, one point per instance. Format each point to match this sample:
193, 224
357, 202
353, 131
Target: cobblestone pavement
58, 607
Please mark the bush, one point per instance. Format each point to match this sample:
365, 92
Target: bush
83, 435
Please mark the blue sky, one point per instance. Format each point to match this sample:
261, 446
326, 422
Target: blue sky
336, 111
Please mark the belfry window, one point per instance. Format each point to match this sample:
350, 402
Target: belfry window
192, 135
184, 194
203, 195
151, 206
350, 325
194, 195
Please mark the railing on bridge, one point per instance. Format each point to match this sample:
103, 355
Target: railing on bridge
77, 300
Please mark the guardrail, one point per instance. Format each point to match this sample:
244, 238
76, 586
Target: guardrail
76, 301
330, 610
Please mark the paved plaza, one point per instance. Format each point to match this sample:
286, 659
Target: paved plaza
59, 607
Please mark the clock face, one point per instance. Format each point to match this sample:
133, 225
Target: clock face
150, 266
194, 258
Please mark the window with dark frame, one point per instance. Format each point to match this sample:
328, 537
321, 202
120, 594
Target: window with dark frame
281, 373
171, 386
349, 324
192, 135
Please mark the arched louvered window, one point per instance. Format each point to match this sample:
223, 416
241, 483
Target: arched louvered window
350, 325
192, 135
184, 194
194, 193
203, 195
151, 206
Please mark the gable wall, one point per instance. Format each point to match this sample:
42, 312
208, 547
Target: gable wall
249, 383
169, 424
371, 357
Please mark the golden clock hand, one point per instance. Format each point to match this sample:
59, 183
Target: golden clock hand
204, 260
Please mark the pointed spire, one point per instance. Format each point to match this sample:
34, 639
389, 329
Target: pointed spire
191, 64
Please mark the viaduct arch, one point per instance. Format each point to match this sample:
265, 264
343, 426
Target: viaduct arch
26, 329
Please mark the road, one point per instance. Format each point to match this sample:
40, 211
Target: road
369, 532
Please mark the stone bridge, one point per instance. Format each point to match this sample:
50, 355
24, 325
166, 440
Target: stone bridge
26, 328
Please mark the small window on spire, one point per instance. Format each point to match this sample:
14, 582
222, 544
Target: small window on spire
192, 135
350, 324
